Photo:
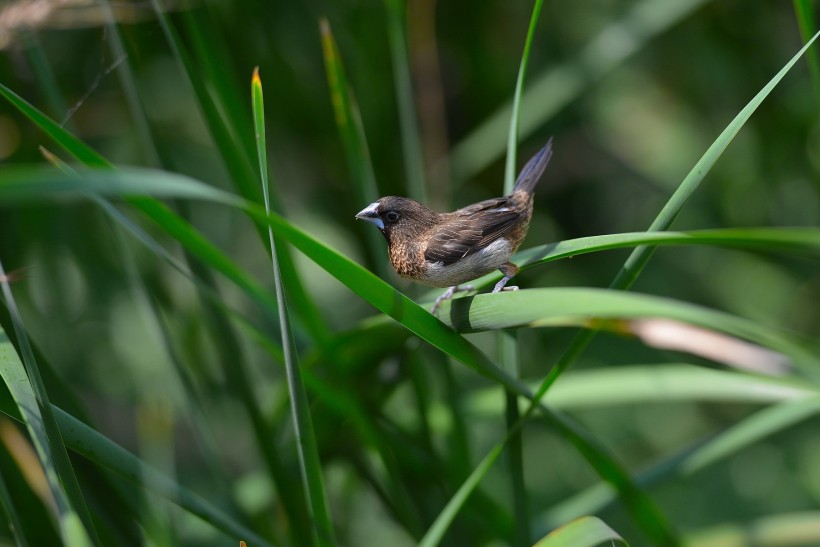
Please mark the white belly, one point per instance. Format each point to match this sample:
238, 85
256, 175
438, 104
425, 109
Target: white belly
470, 267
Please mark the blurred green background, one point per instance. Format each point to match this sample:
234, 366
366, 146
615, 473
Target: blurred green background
632, 92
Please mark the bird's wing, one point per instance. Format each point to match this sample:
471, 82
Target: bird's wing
470, 229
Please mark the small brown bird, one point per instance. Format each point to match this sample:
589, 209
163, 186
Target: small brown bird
448, 249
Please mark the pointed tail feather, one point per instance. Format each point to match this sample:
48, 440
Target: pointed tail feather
532, 172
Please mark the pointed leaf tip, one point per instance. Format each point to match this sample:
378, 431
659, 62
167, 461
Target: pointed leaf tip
255, 80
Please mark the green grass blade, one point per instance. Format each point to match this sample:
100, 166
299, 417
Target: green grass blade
22, 377
556, 88
408, 123
512, 135
351, 131
585, 307
583, 532
309, 462
84, 153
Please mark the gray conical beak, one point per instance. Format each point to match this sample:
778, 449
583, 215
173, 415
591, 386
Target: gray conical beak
371, 214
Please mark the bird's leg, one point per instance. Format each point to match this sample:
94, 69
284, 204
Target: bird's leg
448, 294
509, 270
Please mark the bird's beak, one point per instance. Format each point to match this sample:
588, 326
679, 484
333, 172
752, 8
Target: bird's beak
371, 214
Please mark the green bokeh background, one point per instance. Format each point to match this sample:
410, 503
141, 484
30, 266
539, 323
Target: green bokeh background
622, 145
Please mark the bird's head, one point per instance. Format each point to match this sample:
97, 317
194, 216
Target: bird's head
398, 217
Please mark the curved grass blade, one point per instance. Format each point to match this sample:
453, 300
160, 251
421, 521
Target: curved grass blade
309, 463
587, 307
22, 377
556, 88
583, 532
84, 153
512, 135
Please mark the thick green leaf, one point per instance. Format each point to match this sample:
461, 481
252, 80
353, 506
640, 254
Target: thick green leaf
585, 307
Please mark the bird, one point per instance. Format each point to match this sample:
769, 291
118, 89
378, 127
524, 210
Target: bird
449, 249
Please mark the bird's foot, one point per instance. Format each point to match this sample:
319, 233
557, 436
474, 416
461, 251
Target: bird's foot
500, 286
448, 294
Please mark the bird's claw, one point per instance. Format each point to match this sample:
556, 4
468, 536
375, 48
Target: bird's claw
448, 294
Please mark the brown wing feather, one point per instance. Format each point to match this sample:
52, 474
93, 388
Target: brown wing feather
470, 229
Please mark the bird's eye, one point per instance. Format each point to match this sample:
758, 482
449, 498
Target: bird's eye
392, 216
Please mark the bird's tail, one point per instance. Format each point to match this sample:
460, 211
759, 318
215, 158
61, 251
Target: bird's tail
532, 172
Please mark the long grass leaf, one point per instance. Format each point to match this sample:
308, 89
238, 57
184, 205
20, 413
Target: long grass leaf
515, 115
585, 307
309, 463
